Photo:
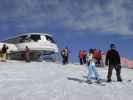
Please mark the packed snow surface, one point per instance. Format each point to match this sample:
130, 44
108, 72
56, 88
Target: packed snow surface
50, 81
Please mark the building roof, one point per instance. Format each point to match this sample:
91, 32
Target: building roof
21, 34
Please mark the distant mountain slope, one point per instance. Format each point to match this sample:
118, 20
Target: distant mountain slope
126, 62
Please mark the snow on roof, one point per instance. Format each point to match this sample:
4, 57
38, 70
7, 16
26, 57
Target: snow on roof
34, 34
21, 34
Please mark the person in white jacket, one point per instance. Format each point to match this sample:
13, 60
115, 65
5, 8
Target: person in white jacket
91, 66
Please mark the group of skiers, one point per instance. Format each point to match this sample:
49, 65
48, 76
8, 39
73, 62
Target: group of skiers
90, 58
93, 58
82, 56
96, 54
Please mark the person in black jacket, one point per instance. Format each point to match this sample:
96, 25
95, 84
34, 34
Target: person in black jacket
4, 52
65, 55
113, 60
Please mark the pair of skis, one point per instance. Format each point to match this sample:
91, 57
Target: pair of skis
103, 82
97, 82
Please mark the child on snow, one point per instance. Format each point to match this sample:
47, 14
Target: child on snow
91, 66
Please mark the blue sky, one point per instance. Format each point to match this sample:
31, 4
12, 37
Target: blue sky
74, 23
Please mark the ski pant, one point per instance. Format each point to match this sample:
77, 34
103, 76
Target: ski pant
81, 61
84, 60
92, 70
65, 59
27, 57
118, 72
4, 56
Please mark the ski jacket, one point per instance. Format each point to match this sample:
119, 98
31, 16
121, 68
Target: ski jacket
4, 49
81, 54
112, 57
90, 60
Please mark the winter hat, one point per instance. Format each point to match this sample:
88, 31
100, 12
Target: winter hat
112, 46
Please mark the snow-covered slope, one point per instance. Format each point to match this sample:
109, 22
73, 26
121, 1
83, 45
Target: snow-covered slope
49, 81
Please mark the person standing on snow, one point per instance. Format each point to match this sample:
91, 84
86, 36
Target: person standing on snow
113, 60
65, 55
84, 57
91, 66
67, 52
27, 54
4, 52
81, 55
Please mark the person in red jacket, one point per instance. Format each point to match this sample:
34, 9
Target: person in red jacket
81, 55
98, 56
84, 56
27, 54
